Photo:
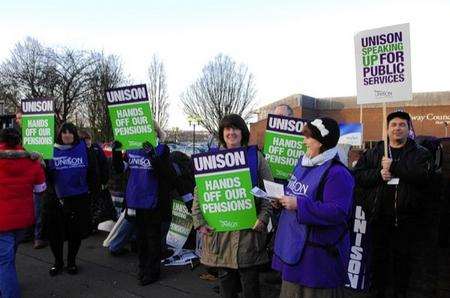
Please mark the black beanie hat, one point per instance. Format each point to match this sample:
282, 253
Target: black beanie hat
399, 114
326, 131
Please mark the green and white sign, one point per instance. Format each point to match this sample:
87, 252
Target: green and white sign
283, 144
131, 116
38, 126
181, 225
224, 183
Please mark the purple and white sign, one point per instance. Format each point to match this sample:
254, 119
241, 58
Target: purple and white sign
383, 65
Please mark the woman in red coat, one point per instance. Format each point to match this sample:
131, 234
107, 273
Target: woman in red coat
19, 177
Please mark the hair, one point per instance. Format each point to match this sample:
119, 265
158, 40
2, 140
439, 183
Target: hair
10, 136
85, 134
234, 121
401, 115
68, 127
288, 108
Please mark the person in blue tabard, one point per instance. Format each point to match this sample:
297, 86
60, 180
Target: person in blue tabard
147, 201
312, 240
66, 203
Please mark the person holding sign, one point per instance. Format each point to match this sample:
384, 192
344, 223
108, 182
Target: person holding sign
66, 210
146, 196
312, 239
237, 254
394, 188
19, 177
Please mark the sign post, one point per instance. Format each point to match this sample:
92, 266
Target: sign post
383, 67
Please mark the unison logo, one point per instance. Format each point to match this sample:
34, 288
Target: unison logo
382, 94
71, 162
139, 161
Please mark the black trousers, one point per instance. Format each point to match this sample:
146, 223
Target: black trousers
232, 281
69, 221
392, 255
148, 232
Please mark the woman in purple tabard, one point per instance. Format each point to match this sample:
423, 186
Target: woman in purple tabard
312, 241
66, 203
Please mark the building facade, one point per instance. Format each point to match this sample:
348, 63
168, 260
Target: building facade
430, 112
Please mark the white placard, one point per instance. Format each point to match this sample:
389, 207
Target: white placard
383, 65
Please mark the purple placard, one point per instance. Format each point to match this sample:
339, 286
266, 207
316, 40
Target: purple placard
285, 124
37, 106
220, 161
128, 94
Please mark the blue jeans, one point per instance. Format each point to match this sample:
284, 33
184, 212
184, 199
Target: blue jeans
37, 211
9, 284
125, 233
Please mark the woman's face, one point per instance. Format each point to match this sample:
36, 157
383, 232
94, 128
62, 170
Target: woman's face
313, 146
67, 137
232, 137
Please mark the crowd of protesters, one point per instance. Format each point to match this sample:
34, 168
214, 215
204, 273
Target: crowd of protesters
309, 249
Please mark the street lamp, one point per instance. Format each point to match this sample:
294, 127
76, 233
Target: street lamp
192, 121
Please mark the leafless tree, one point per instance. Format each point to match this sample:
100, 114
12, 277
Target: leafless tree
223, 88
157, 91
62, 74
28, 72
105, 74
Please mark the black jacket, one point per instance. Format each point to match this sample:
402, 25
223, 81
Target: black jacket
413, 169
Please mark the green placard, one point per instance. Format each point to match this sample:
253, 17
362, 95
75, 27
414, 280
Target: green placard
224, 195
38, 126
181, 225
283, 144
131, 116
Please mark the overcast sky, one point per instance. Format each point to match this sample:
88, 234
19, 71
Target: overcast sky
290, 46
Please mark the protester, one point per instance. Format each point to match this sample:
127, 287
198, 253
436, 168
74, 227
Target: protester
283, 110
66, 213
19, 177
275, 277
312, 239
237, 254
394, 187
147, 200
35, 231
101, 203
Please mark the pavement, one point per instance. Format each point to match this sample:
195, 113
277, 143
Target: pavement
102, 275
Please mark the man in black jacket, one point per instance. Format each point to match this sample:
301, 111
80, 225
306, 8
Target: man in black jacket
393, 191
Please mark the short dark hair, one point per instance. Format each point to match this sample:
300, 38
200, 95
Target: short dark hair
68, 127
401, 115
10, 136
234, 121
288, 109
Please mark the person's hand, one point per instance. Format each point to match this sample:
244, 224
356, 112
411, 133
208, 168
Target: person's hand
35, 156
386, 163
205, 230
288, 202
386, 175
116, 145
260, 226
276, 204
149, 149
